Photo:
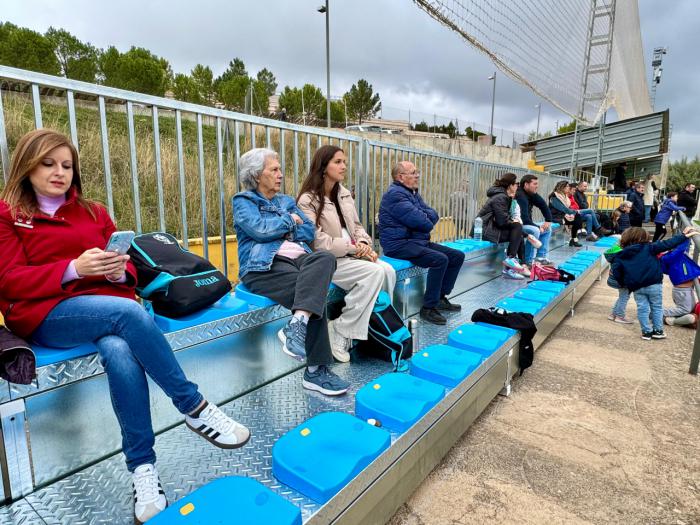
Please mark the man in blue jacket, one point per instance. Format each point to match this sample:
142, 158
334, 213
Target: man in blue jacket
528, 197
405, 223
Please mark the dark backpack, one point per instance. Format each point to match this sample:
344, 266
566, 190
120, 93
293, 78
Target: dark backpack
388, 338
177, 282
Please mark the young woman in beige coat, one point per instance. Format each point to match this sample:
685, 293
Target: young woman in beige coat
330, 206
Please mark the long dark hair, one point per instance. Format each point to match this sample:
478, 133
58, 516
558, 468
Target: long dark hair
506, 180
313, 183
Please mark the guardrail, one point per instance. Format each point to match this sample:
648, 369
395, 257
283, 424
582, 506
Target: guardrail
695, 356
162, 164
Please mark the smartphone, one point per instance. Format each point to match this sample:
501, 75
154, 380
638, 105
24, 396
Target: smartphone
120, 242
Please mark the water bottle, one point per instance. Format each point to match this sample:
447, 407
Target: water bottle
478, 224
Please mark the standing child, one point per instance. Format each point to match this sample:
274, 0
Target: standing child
618, 314
637, 268
667, 208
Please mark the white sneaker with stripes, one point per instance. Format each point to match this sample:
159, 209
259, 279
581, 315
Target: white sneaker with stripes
149, 497
217, 428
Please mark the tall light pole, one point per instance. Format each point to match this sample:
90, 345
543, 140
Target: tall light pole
493, 103
539, 109
324, 9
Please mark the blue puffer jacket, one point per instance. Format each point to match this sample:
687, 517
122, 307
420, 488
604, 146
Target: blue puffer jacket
261, 227
404, 217
667, 208
637, 200
637, 266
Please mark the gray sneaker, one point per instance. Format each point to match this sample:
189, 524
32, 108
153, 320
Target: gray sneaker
544, 261
324, 381
293, 337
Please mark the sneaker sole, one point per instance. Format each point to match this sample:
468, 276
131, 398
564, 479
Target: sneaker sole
139, 522
646, 338
308, 385
658, 337
342, 358
283, 339
216, 443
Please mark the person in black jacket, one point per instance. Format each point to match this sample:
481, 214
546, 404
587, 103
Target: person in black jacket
528, 198
636, 196
498, 225
620, 180
580, 195
561, 213
686, 198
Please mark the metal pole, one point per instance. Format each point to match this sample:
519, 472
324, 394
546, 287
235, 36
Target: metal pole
695, 356
328, 68
539, 110
493, 103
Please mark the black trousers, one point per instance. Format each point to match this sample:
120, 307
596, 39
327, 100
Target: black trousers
301, 284
514, 233
659, 232
575, 225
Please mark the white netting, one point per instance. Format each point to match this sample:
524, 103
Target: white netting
543, 44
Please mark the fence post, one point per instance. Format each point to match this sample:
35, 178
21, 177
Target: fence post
695, 356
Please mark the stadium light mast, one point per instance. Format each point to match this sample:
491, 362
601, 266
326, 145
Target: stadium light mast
656, 70
493, 103
539, 111
324, 10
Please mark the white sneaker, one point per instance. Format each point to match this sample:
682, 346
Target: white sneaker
149, 497
339, 344
534, 241
217, 428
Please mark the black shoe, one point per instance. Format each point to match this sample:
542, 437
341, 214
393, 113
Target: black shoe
658, 334
432, 315
646, 336
575, 243
447, 306
603, 232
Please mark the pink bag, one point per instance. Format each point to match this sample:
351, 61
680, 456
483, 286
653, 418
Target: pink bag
544, 273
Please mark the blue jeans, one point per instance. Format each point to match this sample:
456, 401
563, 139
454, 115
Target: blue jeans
130, 345
650, 303
647, 213
543, 251
592, 224
620, 306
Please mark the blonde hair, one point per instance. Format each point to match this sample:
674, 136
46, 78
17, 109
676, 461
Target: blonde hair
31, 149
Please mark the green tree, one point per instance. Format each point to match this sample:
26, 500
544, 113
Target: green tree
362, 102
232, 93
203, 77
567, 128
27, 49
683, 172
236, 68
474, 134
314, 103
185, 88
136, 70
533, 135
78, 60
268, 79
260, 102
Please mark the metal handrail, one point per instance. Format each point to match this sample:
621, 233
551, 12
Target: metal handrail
695, 356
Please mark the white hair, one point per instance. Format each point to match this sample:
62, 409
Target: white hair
251, 165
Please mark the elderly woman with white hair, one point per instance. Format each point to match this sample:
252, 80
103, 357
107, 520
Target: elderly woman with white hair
275, 261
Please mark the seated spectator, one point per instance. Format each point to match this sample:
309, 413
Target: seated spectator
329, 205
275, 260
683, 312
621, 217
636, 196
593, 227
528, 197
686, 198
667, 208
498, 225
59, 288
405, 223
561, 212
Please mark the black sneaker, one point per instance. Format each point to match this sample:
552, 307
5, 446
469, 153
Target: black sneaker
446, 305
658, 334
575, 243
647, 336
432, 315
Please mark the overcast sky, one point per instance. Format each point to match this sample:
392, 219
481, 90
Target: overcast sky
411, 60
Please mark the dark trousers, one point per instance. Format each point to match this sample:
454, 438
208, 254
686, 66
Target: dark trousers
513, 232
659, 232
443, 265
575, 225
301, 284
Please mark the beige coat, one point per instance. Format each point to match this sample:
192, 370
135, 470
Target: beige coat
329, 230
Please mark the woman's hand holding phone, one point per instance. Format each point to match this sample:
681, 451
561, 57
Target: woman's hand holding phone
99, 262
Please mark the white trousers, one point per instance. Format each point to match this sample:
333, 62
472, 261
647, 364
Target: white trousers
362, 280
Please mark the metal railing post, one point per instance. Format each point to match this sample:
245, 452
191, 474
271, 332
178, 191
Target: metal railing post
695, 356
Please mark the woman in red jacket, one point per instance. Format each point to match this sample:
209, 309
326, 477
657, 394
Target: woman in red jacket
59, 288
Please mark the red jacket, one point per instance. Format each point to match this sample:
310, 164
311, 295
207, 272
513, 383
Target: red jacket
36, 253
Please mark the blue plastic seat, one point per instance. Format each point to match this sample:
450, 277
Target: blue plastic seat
49, 356
553, 225
232, 500
480, 338
397, 400
606, 242
477, 245
227, 306
592, 255
582, 261
253, 299
575, 269
320, 456
397, 264
461, 246
540, 296
444, 364
550, 286
514, 304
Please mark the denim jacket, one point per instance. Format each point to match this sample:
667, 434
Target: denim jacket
262, 226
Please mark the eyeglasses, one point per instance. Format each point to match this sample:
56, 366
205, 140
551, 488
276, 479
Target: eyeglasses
416, 173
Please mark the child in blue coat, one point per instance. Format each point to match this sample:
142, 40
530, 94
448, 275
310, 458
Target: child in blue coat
638, 269
665, 211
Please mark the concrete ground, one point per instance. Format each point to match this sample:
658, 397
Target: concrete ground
603, 428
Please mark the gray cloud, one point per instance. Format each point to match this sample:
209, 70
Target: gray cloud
411, 60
